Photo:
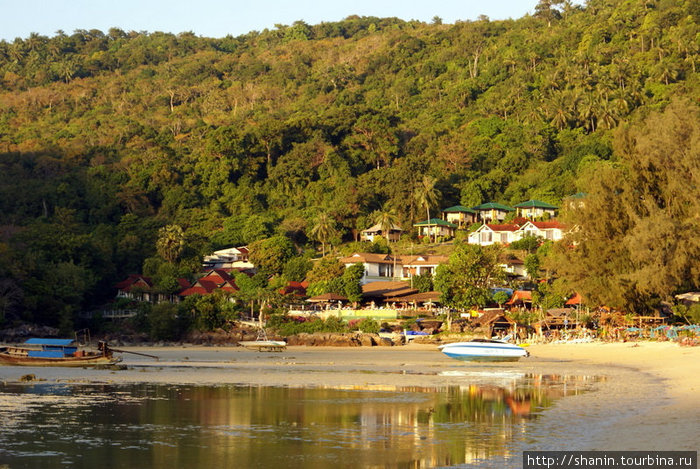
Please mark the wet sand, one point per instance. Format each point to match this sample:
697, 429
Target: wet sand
647, 398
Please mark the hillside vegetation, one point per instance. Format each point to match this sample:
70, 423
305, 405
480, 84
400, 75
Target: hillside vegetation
107, 137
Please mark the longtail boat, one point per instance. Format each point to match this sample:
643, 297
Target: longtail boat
56, 352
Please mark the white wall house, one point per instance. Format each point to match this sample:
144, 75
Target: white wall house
229, 258
376, 230
488, 234
549, 230
382, 267
535, 209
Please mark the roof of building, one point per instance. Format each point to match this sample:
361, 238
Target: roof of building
520, 296
458, 208
422, 260
367, 257
425, 297
503, 227
535, 204
575, 300
134, 280
493, 206
378, 229
548, 225
435, 221
387, 289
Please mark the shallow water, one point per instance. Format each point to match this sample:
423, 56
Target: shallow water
485, 418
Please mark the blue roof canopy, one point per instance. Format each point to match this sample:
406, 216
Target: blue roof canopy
54, 342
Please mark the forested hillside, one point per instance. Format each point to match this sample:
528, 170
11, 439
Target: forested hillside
105, 137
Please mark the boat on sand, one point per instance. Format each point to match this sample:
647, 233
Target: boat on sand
484, 350
56, 352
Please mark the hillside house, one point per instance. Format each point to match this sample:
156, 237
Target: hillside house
492, 212
535, 209
436, 228
460, 216
370, 233
138, 287
488, 234
229, 258
383, 267
549, 230
211, 281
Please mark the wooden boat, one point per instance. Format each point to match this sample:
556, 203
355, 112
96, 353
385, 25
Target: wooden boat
56, 352
484, 350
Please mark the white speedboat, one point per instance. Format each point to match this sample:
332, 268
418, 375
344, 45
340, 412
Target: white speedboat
484, 350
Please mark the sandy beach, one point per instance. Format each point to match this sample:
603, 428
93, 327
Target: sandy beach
647, 397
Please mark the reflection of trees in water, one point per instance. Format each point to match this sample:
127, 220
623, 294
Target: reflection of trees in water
254, 425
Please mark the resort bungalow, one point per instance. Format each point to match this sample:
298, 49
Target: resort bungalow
229, 258
549, 230
492, 212
419, 265
535, 209
383, 267
140, 288
214, 280
369, 234
436, 228
488, 234
459, 215
377, 266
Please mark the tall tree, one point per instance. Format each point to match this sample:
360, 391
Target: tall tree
323, 230
465, 281
171, 242
636, 231
386, 219
426, 195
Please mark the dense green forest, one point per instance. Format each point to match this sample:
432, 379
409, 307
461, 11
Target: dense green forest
307, 131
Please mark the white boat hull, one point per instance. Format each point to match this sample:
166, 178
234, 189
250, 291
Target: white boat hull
484, 351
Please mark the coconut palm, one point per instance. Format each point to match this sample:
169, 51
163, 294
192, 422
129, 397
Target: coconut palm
323, 230
386, 219
426, 195
171, 242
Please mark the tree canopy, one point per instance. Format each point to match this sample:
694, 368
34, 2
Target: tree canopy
107, 137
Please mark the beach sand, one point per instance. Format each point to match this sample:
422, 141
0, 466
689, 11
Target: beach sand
647, 397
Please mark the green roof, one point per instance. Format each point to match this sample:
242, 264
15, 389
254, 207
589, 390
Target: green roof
459, 208
435, 221
492, 206
536, 204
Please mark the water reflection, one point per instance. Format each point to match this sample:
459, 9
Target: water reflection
257, 426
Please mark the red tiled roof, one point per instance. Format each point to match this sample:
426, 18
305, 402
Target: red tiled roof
507, 227
548, 225
205, 286
574, 300
520, 296
298, 288
222, 275
134, 280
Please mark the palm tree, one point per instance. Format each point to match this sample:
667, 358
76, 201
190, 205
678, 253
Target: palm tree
426, 195
171, 242
386, 219
323, 230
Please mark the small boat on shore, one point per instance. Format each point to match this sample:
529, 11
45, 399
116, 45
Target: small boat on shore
263, 344
484, 350
56, 352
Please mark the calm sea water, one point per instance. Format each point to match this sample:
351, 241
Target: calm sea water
133, 426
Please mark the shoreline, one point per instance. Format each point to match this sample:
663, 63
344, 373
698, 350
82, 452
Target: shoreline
647, 397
